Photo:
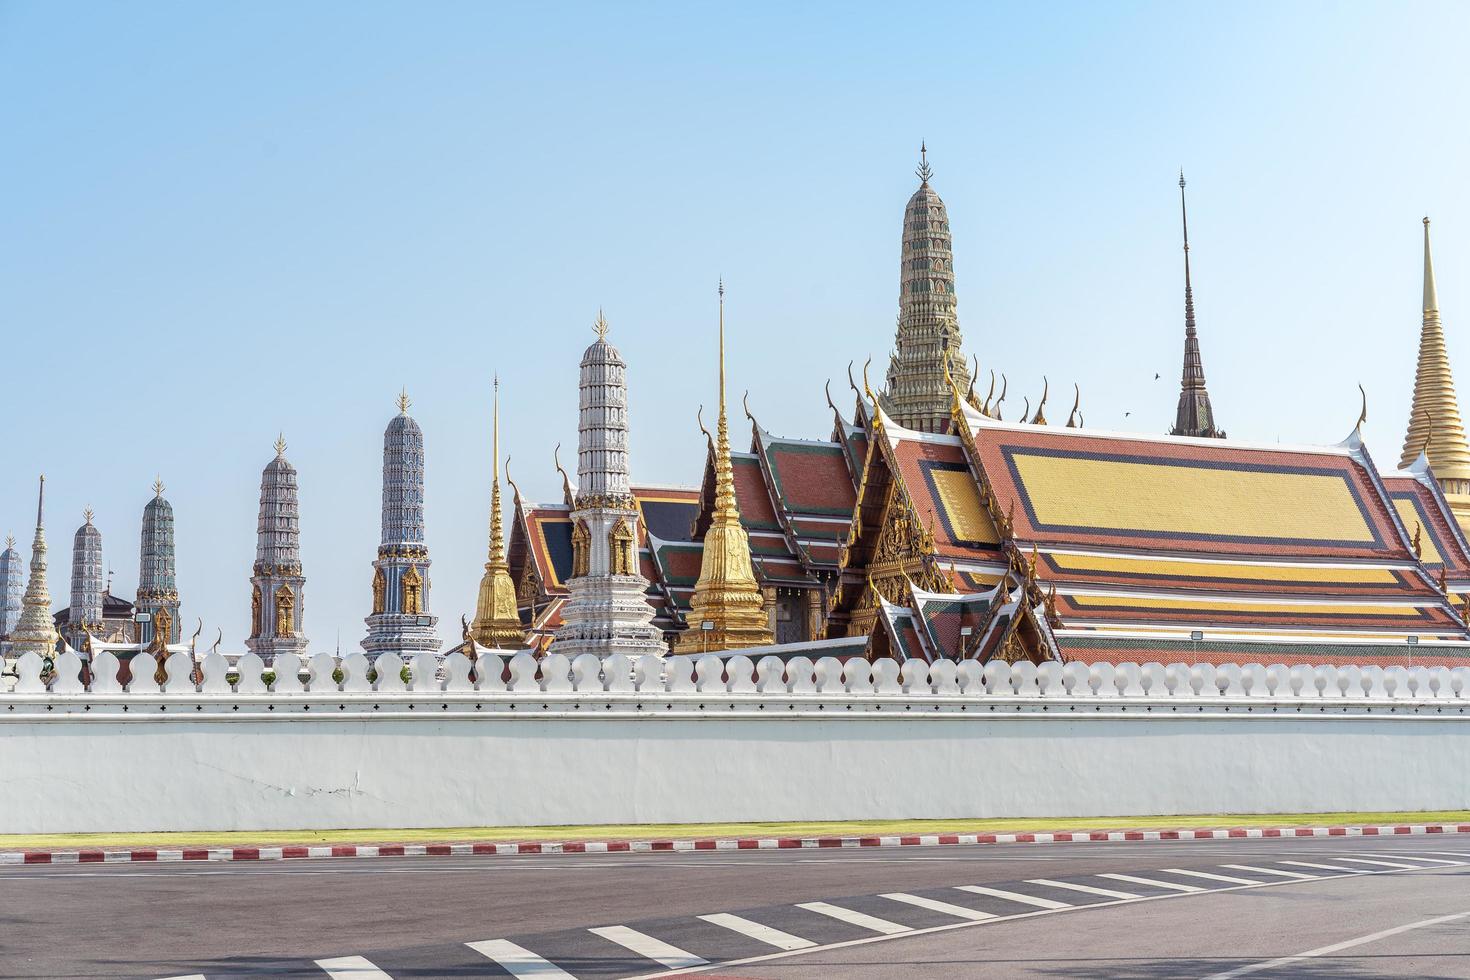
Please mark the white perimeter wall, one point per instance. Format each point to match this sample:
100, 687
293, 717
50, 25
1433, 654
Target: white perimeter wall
256, 772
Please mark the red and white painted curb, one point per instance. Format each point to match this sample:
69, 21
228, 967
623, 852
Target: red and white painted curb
137, 855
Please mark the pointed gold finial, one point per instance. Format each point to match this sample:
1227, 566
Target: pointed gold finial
1363, 415
1076, 403
87, 514
566, 483
281, 444
600, 326
1005, 386
9, 541
985, 409
699, 420
403, 401
1040, 417
158, 486
1025, 409
868, 388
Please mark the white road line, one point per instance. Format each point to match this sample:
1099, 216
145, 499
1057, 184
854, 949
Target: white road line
1415, 857
851, 917
1104, 892
1271, 871
1041, 903
192, 976
1397, 866
1327, 867
1211, 877
1154, 882
933, 905
519, 961
1453, 854
352, 968
654, 949
1241, 971
765, 934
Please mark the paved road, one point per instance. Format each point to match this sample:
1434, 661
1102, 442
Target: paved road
1340, 907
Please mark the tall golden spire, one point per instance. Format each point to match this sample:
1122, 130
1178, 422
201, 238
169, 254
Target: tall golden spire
497, 619
727, 595
1435, 408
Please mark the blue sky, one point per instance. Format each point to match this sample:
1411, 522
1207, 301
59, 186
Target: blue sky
226, 220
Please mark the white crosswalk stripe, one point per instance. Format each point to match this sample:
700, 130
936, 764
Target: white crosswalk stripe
854, 918
352, 968
1394, 865
1154, 883
1415, 857
518, 961
756, 931
644, 945
934, 905
1086, 889
1272, 871
1041, 903
1209, 876
1325, 867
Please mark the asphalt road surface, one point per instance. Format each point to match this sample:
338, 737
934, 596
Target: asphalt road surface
1336, 907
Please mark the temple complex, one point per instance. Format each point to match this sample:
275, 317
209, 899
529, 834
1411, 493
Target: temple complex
497, 622
34, 633
12, 590
400, 621
1194, 417
158, 584
728, 608
605, 611
1436, 430
277, 596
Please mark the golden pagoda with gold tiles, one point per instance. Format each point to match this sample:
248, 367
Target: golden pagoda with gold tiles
497, 621
727, 611
1435, 428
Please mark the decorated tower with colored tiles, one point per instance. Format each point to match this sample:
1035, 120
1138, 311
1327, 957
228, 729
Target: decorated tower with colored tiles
400, 621
1194, 416
35, 633
87, 583
158, 584
277, 599
606, 611
12, 588
928, 334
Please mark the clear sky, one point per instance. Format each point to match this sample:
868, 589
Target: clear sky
222, 221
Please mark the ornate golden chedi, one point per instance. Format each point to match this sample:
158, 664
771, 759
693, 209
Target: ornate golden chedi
1435, 427
727, 595
497, 620
35, 632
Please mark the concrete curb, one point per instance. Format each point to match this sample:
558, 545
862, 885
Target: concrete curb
144, 855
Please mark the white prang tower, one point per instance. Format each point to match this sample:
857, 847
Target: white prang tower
607, 612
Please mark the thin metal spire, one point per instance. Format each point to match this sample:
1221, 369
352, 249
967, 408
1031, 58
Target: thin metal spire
722, 347
495, 428
925, 171
1194, 415
41, 503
